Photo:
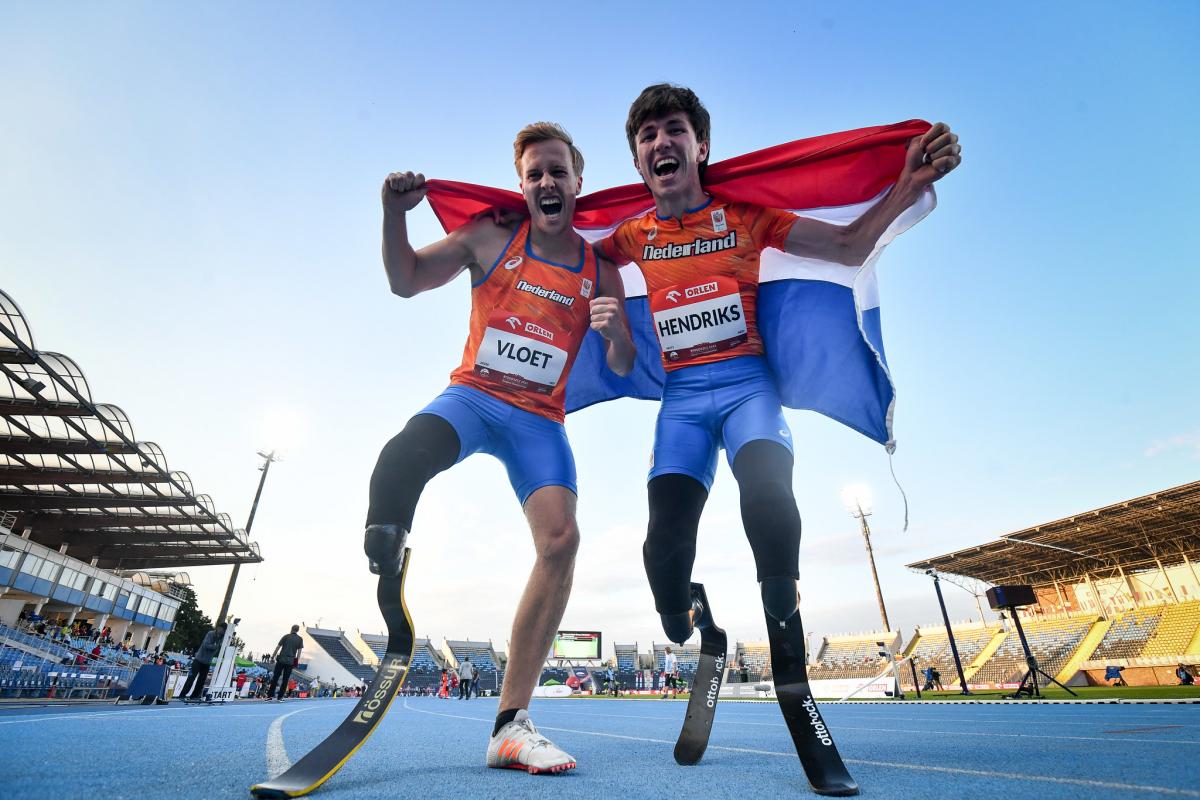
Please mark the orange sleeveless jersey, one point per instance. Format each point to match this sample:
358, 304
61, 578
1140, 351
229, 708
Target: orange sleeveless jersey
702, 276
528, 319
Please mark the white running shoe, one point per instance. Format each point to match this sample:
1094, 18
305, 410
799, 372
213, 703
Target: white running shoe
518, 745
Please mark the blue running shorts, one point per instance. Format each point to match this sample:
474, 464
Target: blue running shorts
533, 449
709, 406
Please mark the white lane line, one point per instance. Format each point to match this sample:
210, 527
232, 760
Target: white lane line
277, 757
981, 773
727, 720
148, 713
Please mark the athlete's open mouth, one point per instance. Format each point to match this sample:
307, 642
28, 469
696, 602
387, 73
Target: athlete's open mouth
665, 166
550, 206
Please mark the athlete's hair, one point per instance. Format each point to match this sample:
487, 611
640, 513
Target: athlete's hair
295, 628
545, 132
662, 99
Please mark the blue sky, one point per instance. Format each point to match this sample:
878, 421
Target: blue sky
189, 208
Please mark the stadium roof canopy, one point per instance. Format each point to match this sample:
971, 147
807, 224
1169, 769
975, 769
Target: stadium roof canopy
72, 472
1136, 535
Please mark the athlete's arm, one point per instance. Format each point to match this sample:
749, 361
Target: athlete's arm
929, 159
410, 271
609, 320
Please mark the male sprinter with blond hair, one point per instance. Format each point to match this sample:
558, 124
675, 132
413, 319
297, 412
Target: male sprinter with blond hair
536, 287
719, 391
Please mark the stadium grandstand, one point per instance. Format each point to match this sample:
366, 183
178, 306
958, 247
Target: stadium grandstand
89, 518
1117, 588
852, 656
483, 656
751, 662
331, 655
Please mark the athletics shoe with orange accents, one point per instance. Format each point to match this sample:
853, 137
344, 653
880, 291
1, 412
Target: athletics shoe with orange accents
518, 745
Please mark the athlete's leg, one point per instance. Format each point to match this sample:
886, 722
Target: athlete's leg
551, 514
676, 502
685, 462
763, 470
427, 445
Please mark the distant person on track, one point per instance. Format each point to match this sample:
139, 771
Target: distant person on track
193, 687
464, 679
669, 673
286, 655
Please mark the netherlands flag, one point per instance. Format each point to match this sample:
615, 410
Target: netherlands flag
819, 321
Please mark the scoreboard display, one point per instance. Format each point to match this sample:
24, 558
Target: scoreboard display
576, 645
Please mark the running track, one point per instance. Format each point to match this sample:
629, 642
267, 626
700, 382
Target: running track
429, 748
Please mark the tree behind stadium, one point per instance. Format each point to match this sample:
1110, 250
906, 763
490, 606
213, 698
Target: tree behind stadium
190, 625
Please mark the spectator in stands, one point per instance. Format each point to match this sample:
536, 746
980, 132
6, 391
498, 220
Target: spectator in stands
193, 687
286, 654
95, 652
1184, 675
464, 679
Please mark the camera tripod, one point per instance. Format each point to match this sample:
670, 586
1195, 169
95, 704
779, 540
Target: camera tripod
1029, 681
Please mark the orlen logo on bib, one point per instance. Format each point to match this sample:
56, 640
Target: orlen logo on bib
701, 290
539, 331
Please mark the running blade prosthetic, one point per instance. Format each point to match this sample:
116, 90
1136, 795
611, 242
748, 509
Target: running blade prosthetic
823, 765
328, 757
702, 706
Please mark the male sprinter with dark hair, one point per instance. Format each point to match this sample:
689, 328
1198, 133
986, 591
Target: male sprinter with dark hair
719, 391
536, 288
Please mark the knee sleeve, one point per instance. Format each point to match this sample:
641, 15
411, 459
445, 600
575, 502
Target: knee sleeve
427, 445
764, 474
779, 596
676, 502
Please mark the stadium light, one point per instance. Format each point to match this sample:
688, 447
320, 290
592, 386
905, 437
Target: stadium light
857, 499
268, 460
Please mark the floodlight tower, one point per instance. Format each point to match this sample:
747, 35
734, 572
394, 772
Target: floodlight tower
857, 499
268, 460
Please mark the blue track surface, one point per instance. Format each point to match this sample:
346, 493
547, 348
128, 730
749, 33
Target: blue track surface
428, 748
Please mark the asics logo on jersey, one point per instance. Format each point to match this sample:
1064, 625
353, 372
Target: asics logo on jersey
699, 247
673, 296
513, 322
542, 291
700, 291
513, 263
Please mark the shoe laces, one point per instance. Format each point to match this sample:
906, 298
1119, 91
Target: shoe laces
536, 740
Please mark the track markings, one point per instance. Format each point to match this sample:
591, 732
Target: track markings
1013, 776
277, 757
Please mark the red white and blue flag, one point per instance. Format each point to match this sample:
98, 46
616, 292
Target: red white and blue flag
819, 321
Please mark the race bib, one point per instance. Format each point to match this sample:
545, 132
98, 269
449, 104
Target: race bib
520, 354
698, 317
